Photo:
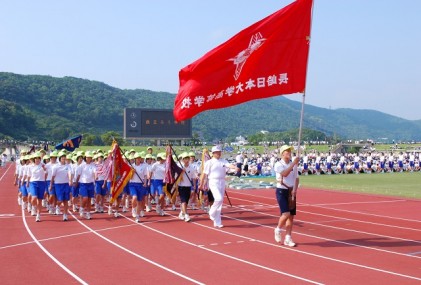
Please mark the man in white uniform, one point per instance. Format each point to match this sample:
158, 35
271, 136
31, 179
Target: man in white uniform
214, 172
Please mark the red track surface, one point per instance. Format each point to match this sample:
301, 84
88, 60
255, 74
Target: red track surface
342, 238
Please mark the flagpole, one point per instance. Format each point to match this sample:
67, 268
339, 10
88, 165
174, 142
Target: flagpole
304, 92
302, 105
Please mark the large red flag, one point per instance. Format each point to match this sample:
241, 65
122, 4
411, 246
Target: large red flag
121, 173
269, 58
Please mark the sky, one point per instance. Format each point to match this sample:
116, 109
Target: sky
364, 54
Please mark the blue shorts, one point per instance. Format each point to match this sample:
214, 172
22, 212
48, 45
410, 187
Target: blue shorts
47, 186
157, 187
282, 198
62, 191
382, 165
100, 189
148, 190
23, 190
368, 164
400, 163
305, 166
137, 189
86, 190
37, 189
318, 166
356, 165
52, 191
411, 163
391, 164
75, 191
329, 165
126, 190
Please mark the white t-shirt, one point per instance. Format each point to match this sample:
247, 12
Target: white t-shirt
142, 172
61, 173
36, 173
158, 171
289, 180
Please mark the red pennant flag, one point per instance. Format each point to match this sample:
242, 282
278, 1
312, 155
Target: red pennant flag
121, 173
269, 58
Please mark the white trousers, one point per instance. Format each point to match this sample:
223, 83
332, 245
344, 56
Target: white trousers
217, 188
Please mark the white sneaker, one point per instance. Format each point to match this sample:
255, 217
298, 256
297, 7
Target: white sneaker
97, 209
181, 216
115, 214
124, 209
218, 226
58, 211
44, 203
38, 218
81, 212
158, 209
110, 211
142, 214
33, 211
74, 208
148, 208
64, 217
134, 213
173, 207
187, 218
162, 213
137, 219
289, 242
278, 236
88, 216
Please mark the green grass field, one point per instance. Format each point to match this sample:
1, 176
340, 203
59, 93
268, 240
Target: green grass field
390, 184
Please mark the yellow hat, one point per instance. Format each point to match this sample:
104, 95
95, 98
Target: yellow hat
285, 148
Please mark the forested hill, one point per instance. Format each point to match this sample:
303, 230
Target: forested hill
45, 107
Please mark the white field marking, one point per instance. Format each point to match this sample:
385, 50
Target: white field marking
62, 236
10, 165
340, 210
322, 238
361, 221
309, 253
356, 203
135, 254
317, 255
223, 254
335, 217
345, 229
80, 280
414, 253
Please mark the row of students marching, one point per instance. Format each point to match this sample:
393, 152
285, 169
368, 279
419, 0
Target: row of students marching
80, 180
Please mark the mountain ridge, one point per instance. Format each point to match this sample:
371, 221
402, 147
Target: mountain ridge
42, 106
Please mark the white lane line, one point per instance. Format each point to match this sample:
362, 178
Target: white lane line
223, 254
313, 254
135, 254
356, 203
340, 210
345, 229
80, 280
365, 214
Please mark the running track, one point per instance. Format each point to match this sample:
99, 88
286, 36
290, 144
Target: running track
342, 238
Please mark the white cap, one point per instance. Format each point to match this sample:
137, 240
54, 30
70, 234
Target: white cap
216, 148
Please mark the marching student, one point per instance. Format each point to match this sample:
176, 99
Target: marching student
36, 183
86, 182
286, 175
61, 180
156, 180
100, 183
137, 186
194, 188
51, 203
187, 181
214, 173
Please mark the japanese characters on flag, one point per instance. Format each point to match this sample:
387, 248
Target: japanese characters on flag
267, 59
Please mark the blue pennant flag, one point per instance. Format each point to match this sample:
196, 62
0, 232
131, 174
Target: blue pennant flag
70, 144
